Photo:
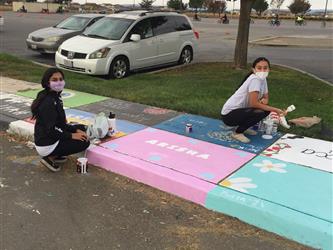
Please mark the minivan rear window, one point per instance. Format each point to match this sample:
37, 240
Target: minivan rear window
167, 24
182, 23
110, 28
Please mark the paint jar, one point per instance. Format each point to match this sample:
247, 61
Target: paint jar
269, 128
188, 128
274, 129
82, 166
112, 124
261, 126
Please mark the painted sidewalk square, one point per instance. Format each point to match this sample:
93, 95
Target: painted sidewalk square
197, 158
305, 151
294, 186
135, 112
86, 118
214, 131
71, 98
14, 106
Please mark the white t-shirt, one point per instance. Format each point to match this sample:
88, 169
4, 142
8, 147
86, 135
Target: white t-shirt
240, 99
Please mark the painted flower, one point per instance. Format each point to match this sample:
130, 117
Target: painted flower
240, 184
267, 166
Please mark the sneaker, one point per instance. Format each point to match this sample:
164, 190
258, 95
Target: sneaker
240, 137
250, 131
51, 165
60, 159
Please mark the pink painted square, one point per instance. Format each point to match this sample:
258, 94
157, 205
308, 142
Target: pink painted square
193, 157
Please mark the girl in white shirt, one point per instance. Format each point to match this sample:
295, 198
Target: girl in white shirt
249, 104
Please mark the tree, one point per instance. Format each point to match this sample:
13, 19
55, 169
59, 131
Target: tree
260, 6
196, 4
240, 56
277, 3
299, 6
215, 6
146, 4
176, 5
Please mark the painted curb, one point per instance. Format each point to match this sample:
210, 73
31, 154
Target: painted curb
272, 217
22, 129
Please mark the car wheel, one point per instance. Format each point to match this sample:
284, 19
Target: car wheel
186, 56
119, 68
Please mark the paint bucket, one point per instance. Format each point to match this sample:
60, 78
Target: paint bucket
82, 166
188, 128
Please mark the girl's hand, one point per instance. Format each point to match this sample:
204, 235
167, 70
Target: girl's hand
80, 136
281, 112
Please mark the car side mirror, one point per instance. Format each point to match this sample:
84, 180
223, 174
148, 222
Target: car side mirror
135, 37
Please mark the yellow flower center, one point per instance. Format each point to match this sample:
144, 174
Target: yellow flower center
269, 166
226, 183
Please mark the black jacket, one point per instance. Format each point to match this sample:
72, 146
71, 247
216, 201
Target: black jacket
51, 124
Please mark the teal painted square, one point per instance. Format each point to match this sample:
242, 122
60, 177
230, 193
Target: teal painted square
294, 186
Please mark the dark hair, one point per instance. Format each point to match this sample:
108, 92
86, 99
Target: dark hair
43, 93
254, 64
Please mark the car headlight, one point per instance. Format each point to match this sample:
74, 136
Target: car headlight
52, 39
59, 50
102, 53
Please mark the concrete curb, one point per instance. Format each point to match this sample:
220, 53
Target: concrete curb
304, 72
285, 44
22, 129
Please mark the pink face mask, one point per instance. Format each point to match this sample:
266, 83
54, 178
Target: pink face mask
57, 85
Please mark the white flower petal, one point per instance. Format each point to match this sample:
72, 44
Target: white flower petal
258, 165
264, 170
239, 180
280, 170
267, 162
239, 189
246, 185
279, 165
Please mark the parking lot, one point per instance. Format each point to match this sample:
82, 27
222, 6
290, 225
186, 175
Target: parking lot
217, 41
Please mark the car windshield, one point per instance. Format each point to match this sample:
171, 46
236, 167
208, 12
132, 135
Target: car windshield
109, 28
73, 23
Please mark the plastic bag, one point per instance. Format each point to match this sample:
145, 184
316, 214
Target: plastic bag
306, 122
99, 128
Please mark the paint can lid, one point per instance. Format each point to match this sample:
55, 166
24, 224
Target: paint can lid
267, 137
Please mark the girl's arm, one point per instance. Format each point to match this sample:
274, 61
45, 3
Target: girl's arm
255, 103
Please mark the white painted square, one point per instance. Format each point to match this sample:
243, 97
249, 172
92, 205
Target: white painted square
305, 151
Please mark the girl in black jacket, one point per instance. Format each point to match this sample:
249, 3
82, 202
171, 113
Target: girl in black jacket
54, 138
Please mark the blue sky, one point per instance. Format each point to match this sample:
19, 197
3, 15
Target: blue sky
315, 4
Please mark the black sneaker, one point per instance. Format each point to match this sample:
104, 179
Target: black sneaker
51, 165
60, 159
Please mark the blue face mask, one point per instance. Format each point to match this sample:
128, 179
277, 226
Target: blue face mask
57, 86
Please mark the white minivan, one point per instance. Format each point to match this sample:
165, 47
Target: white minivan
131, 40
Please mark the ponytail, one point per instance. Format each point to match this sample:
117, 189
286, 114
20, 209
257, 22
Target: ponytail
35, 104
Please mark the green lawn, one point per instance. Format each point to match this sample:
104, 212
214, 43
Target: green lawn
198, 89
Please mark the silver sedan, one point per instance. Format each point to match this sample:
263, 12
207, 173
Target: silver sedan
47, 40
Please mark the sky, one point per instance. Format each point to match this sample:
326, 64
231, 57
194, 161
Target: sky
315, 4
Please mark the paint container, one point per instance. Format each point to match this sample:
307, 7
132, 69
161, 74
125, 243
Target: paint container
261, 126
81, 165
274, 128
112, 124
269, 127
188, 128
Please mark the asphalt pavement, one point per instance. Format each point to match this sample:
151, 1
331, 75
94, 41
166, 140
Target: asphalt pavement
217, 41
101, 210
